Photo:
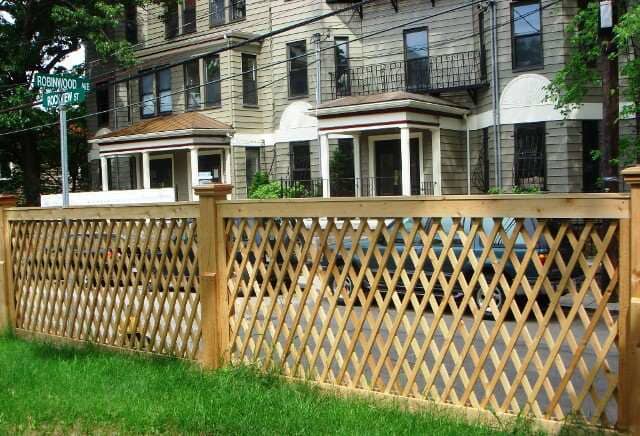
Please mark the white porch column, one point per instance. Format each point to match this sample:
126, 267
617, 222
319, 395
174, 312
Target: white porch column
356, 165
324, 165
104, 173
436, 160
405, 158
138, 171
226, 174
371, 181
146, 172
194, 170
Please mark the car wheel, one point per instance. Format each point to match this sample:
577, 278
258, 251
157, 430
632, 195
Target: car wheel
497, 296
344, 293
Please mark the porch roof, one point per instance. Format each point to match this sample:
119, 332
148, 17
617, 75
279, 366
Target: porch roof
391, 100
185, 124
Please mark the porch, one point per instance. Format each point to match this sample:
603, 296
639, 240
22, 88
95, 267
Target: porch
396, 143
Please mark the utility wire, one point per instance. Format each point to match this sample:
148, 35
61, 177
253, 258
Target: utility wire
156, 99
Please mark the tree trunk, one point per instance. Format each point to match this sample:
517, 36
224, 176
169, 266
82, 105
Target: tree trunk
31, 170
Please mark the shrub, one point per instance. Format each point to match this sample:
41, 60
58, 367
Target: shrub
268, 190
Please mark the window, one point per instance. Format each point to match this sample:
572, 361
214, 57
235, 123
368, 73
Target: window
298, 81
192, 85
212, 93
530, 167
210, 168
343, 81
216, 12
189, 16
121, 173
171, 21
131, 23
238, 9
249, 80
161, 172
148, 108
155, 93
252, 164
5, 169
300, 161
163, 81
526, 35
416, 55
102, 104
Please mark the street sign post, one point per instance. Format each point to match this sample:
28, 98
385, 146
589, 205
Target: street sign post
60, 90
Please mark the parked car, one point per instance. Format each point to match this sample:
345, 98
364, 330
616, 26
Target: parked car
498, 249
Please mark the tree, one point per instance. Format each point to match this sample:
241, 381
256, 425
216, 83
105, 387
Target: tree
35, 37
580, 74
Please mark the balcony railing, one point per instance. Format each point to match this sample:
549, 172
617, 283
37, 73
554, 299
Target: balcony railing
450, 72
350, 187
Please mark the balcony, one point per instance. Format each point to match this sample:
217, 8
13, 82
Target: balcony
464, 71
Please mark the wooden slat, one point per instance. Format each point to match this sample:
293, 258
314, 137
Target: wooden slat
168, 211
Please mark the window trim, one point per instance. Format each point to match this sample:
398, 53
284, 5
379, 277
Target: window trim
292, 145
232, 18
512, 7
157, 100
153, 72
244, 74
212, 23
297, 96
173, 166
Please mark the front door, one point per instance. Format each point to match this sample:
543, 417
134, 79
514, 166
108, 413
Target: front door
388, 180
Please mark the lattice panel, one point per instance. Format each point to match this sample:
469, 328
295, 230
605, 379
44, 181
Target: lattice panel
512, 315
126, 283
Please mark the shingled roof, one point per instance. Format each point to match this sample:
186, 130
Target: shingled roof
185, 121
386, 97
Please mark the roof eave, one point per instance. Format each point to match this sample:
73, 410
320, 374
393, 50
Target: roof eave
159, 135
394, 104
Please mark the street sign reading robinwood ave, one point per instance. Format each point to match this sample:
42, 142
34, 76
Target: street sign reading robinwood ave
71, 89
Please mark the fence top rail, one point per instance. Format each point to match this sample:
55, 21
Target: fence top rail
138, 211
597, 206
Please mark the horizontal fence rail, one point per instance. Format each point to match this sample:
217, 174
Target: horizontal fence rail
350, 187
486, 310
125, 277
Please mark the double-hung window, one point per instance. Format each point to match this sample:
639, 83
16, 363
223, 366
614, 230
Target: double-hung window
189, 16
416, 54
216, 12
147, 96
298, 79
192, 85
343, 80
238, 9
300, 161
212, 93
252, 164
131, 23
172, 21
526, 35
155, 93
249, 80
102, 103
180, 18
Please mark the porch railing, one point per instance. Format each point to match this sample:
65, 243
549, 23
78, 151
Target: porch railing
449, 72
350, 187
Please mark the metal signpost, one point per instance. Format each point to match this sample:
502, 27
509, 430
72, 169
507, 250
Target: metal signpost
60, 90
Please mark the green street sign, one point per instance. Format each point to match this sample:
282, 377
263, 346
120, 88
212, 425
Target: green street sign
52, 99
61, 82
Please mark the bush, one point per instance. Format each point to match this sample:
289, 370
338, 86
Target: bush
268, 190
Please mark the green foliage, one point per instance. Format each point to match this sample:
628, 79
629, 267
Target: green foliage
526, 190
260, 179
341, 165
569, 87
60, 390
494, 190
267, 190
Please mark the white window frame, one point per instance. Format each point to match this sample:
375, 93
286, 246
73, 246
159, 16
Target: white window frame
173, 166
372, 151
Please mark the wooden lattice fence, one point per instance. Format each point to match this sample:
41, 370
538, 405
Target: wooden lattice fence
498, 304
121, 277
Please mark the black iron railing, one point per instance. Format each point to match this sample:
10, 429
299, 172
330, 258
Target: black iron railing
450, 72
350, 187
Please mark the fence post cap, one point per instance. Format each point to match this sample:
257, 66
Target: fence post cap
632, 175
213, 190
8, 200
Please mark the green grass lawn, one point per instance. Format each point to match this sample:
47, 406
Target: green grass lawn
47, 389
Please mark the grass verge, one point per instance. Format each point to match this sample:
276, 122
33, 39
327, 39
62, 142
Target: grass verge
49, 389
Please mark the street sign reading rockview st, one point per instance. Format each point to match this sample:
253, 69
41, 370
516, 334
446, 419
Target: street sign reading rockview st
52, 99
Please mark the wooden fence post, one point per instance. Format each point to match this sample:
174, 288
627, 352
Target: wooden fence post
214, 304
6, 291
629, 318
